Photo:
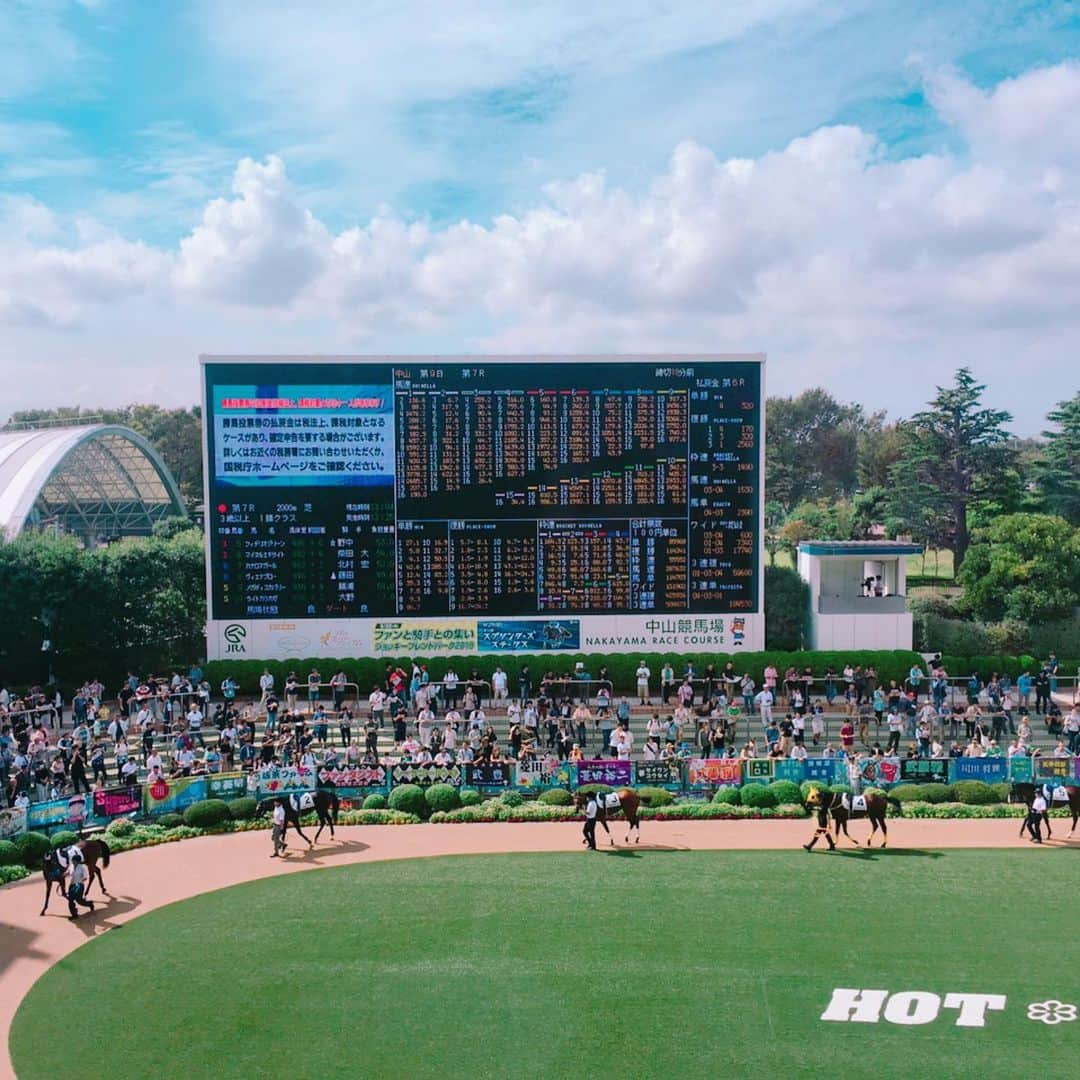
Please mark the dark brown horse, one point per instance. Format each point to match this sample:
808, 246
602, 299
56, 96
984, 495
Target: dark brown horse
1026, 794
54, 866
324, 802
625, 799
877, 807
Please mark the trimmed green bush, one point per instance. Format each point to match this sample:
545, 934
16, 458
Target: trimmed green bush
33, 847
593, 789
555, 796
1002, 791
757, 795
375, 802
908, 793
806, 785
207, 813
470, 797
10, 854
409, 798
442, 797
243, 809
120, 827
13, 873
840, 789
170, 821
972, 793
63, 838
934, 793
655, 796
511, 798
786, 791
727, 796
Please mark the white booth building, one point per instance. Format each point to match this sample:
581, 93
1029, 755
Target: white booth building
857, 593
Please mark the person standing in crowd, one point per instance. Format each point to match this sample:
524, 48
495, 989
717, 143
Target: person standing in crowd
642, 675
266, 687
338, 685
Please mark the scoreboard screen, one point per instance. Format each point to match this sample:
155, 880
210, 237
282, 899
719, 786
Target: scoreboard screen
430, 488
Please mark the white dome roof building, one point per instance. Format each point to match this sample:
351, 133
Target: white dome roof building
97, 482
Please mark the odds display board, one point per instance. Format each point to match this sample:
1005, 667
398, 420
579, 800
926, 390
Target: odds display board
433, 505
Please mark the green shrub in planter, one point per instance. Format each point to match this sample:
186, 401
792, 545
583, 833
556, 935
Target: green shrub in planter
555, 796
655, 796
934, 793
63, 838
972, 793
806, 785
409, 798
243, 809
442, 797
120, 827
1002, 791
786, 791
170, 821
207, 813
840, 789
32, 847
375, 802
511, 798
757, 795
908, 793
10, 855
470, 797
728, 796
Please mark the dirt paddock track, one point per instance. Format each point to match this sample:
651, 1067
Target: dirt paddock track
152, 877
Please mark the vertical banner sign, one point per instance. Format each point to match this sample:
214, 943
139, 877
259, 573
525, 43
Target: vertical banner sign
226, 786
12, 822
665, 774
713, 772
488, 774
1020, 770
612, 773
542, 773
114, 802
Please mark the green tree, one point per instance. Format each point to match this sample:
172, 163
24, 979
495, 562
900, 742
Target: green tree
880, 447
956, 462
787, 609
823, 520
1057, 473
1024, 567
811, 448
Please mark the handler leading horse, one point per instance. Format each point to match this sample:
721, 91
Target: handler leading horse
625, 799
877, 806
1052, 792
324, 802
55, 867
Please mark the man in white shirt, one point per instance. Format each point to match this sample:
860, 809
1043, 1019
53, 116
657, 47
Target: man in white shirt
449, 740
498, 683
1036, 816
798, 752
764, 702
477, 719
623, 743
77, 886
377, 703
642, 676
589, 830
266, 687
130, 771
425, 721
278, 834
194, 723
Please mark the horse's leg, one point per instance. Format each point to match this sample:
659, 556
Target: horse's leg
873, 829
48, 893
101, 880
1076, 817
847, 834
884, 832
303, 836
91, 868
1046, 822
322, 824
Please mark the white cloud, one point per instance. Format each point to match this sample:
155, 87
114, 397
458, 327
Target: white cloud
839, 260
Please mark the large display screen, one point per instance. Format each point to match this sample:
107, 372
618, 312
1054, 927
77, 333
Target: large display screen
489, 487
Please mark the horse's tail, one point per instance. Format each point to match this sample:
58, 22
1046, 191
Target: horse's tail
106, 854
895, 804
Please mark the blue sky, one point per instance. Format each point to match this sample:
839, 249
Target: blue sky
121, 123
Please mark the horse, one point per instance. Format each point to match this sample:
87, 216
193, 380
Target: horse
877, 807
324, 802
1026, 794
54, 867
625, 799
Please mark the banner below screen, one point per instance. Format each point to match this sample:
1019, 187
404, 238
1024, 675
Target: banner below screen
612, 773
114, 802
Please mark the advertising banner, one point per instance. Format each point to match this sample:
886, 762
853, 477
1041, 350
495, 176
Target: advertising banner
279, 780
821, 770
12, 822
114, 802
1020, 770
786, 769
988, 770
542, 773
489, 774
528, 635
665, 774
924, 770
226, 786
426, 775
612, 773
56, 812
1054, 770
353, 779
173, 796
713, 772
758, 770
424, 637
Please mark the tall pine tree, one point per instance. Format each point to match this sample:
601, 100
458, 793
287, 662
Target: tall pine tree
1058, 472
956, 460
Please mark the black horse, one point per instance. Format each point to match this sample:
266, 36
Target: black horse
324, 803
1026, 794
55, 869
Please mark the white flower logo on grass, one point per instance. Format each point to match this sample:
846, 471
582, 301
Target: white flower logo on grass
1052, 1011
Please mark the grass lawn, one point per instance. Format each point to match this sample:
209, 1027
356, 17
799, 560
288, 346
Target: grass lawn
636, 964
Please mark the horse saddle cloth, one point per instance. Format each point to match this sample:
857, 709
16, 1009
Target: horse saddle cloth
304, 801
1060, 794
609, 801
854, 802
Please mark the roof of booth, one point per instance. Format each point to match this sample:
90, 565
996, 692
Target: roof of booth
863, 549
